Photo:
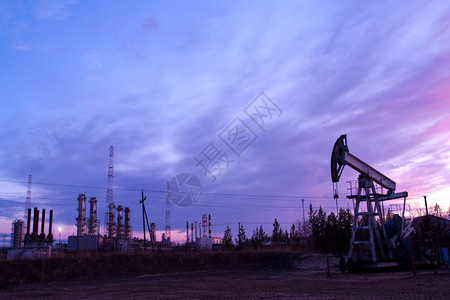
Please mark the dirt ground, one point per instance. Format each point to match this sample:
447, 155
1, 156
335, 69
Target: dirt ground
308, 281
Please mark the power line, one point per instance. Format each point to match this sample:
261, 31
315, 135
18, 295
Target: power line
160, 197
231, 195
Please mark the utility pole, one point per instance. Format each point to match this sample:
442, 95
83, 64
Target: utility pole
143, 216
427, 225
145, 220
303, 209
167, 232
238, 235
426, 206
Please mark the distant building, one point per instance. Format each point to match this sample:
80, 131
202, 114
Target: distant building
17, 232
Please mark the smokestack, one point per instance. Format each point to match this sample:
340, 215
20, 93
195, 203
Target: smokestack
35, 233
27, 235
50, 224
209, 226
192, 232
200, 230
196, 231
204, 225
33, 228
187, 232
127, 230
42, 235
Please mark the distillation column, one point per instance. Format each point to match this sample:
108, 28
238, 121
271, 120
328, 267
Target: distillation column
81, 219
92, 222
119, 232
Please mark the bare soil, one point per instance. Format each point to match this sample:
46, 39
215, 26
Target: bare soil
307, 280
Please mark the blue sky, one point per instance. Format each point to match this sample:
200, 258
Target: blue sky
161, 82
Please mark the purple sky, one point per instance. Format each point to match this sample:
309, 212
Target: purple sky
162, 82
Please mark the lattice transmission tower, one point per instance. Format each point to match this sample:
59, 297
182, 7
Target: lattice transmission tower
28, 199
109, 220
167, 233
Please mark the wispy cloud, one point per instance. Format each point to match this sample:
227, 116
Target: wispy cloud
161, 85
53, 9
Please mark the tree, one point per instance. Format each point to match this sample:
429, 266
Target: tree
242, 240
262, 234
276, 233
254, 240
345, 222
331, 226
318, 223
258, 238
332, 232
311, 214
415, 210
293, 234
227, 239
284, 238
303, 229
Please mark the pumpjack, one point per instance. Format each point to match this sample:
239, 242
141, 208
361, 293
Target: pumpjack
370, 246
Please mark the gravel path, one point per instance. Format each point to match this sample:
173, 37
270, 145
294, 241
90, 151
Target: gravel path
247, 284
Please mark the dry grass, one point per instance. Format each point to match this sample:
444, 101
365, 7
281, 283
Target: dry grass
78, 266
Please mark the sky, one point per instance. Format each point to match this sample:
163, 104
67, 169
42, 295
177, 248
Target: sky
244, 100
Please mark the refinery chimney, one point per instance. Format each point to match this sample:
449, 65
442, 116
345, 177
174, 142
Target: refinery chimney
35, 234
119, 232
27, 235
110, 223
127, 228
196, 231
187, 232
42, 235
204, 225
50, 224
81, 220
92, 222
209, 226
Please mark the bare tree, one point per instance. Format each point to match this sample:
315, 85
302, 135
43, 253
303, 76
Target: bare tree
437, 210
416, 210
